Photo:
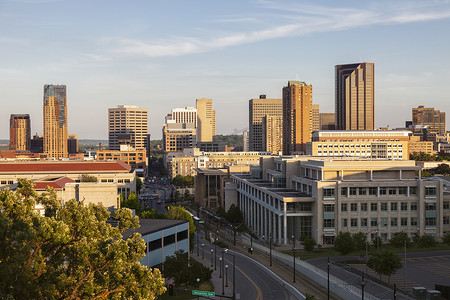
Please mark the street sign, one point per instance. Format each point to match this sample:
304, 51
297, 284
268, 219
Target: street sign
203, 293
201, 222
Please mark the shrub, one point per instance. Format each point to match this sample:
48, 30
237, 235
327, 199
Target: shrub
344, 243
399, 239
426, 241
309, 243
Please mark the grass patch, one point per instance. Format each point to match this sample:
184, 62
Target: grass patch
325, 252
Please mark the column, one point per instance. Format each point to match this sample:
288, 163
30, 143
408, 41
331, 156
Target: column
279, 229
266, 232
400, 174
270, 222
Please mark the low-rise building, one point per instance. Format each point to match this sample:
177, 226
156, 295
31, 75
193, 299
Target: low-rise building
304, 196
131, 156
115, 172
361, 143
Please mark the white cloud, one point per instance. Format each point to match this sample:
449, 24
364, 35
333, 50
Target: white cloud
303, 20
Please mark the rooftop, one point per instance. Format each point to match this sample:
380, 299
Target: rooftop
153, 225
62, 166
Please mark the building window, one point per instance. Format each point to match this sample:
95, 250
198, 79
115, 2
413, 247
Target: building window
430, 222
354, 207
413, 206
384, 206
373, 222
362, 191
394, 206
392, 191
446, 205
328, 207
404, 206
373, 191
364, 222
182, 235
404, 222
413, 190
344, 191
153, 245
352, 191
373, 206
169, 240
383, 222
343, 207
446, 220
414, 221
383, 191
430, 192
344, 223
363, 207
394, 222
328, 193
402, 190
328, 223
354, 222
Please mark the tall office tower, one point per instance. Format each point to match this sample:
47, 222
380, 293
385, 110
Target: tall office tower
185, 115
272, 134
257, 110
428, 116
326, 121
355, 97
245, 138
72, 144
315, 122
127, 125
297, 106
55, 121
19, 132
206, 120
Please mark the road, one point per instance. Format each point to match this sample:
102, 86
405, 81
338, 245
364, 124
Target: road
252, 281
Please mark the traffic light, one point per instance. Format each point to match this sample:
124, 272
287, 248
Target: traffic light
170, 289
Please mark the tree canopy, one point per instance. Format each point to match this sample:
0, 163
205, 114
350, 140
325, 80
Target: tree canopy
71, 253
385, 262
344, 243
177, 267
88, 178
183, 181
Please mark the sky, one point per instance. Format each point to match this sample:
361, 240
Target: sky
161, 55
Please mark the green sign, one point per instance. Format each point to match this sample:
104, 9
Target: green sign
203, 293
201, 222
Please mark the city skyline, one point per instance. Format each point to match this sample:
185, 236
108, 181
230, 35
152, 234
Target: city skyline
229, 52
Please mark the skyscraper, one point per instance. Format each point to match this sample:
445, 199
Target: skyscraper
297, 116
55, 121
185, 115
20, 132
355, 96
315, 118
206, 120
127, 125
258, 109
272, 132
326, 121
428, 116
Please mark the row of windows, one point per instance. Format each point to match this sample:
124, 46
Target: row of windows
168, 240
382, 206
118, 180
383, 222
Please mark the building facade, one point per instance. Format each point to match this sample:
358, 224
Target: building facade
206, 120
315, 118
433, 119
355, 97
127, 124
272, 134
20, 132
55, 121
326, 121
297, 116
258, 110
184, 115
131, 157
177, 136
301, 196
374, 144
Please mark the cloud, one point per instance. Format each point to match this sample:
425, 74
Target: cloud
299, 21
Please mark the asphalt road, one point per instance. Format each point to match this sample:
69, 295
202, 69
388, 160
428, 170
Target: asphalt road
252, 282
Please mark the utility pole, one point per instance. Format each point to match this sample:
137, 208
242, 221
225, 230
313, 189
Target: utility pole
328, 279
363, 284
293, 251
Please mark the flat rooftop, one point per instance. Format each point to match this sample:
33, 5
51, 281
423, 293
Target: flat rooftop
153, 225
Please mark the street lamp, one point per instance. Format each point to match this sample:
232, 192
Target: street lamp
220, 267
226, 275
203, 251
234, 274
212, 251
198, 285
293, 251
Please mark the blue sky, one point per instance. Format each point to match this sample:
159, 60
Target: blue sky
165, 54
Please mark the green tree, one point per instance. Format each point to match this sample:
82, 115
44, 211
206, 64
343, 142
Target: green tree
152, 214
399, 239
180, 213
177, 267
88, 178
132, 202
426, 241
359, 240
308, 244
344, 243
72, 253
187, 195
446, 238
442, 169
385, 263
234, 214
138, 185
183, 181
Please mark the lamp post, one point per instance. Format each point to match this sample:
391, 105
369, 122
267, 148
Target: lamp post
293, 252
203, 251
363, 284
212, 251
270, 249
328, 279
197, 245
198, 285
234, 274
226, 275
220, 267
223, 276
404, 271
215, 255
